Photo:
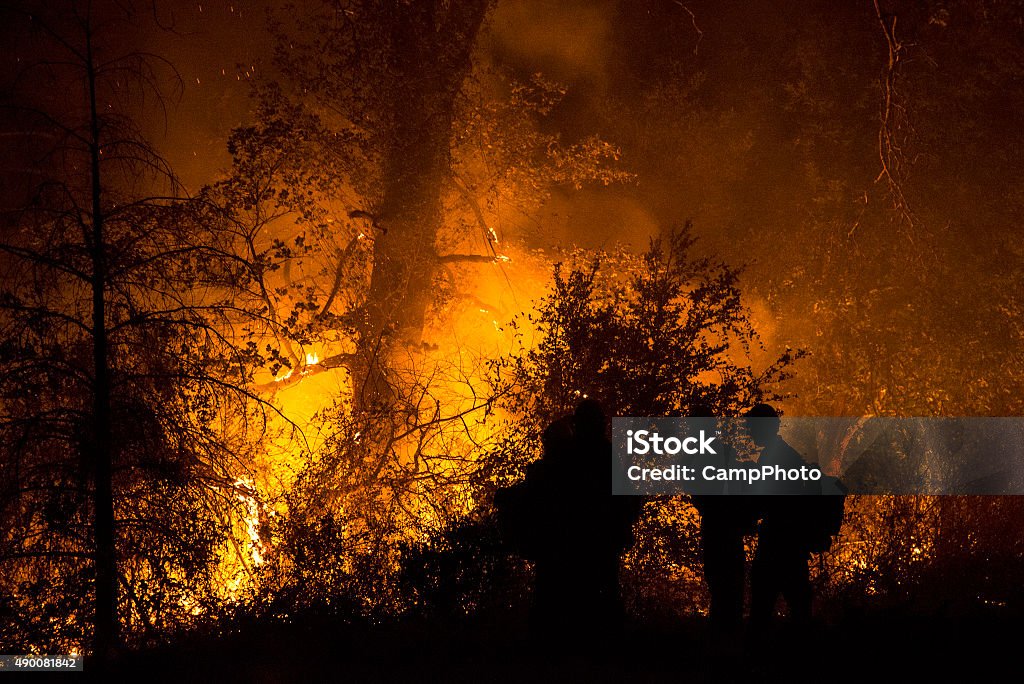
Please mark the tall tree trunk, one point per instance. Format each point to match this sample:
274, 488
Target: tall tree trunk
405, 256
432, 54
106, 628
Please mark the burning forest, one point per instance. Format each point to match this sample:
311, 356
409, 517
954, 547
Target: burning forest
306, 309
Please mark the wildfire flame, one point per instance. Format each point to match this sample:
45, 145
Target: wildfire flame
251, 520
311, 360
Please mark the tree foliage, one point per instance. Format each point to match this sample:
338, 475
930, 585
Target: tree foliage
127, 420
654, 334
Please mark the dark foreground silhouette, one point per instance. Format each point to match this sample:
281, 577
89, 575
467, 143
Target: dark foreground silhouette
563, 518
783, 544
876, 647
792, 527
724, 522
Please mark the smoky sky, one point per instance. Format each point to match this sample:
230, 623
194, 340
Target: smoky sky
746, 117
762, 122
220, 46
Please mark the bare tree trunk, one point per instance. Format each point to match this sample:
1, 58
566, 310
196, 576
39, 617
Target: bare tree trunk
106, 626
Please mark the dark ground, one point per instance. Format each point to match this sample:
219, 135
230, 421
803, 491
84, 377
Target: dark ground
877, 648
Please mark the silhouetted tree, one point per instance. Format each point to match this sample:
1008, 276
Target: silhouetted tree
644, 335
125, 409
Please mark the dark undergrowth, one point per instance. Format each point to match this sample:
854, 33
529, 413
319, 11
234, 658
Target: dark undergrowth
873, 646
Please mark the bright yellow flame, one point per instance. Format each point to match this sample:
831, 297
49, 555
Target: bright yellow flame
251, 519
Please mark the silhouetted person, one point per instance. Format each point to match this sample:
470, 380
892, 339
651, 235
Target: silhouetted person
724, 521
555, 601
605, 526
783, 551
577, 530
524, 509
